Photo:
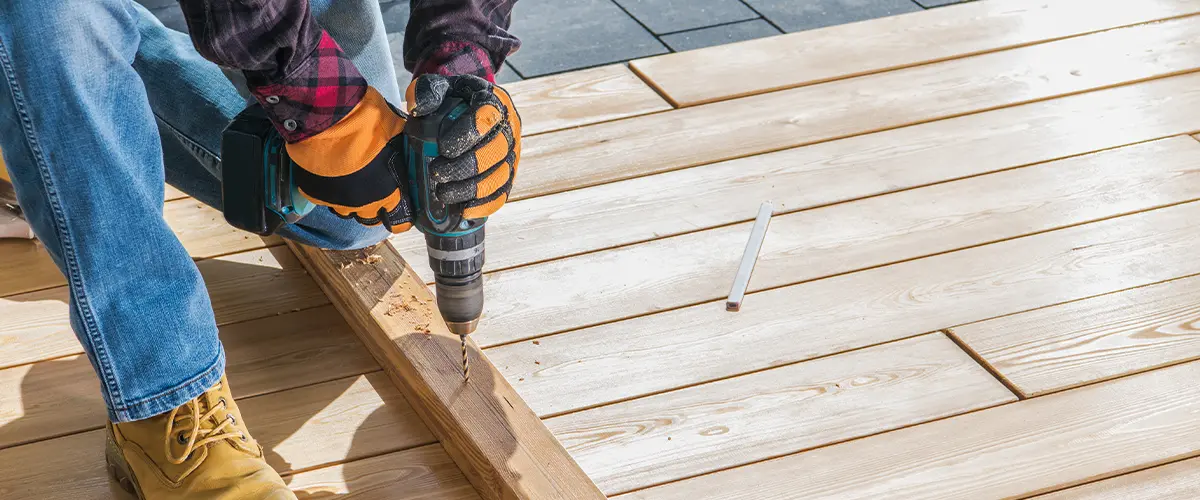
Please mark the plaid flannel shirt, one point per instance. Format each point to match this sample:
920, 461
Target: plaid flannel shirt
301, 76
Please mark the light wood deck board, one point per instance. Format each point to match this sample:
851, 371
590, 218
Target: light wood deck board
72, 468
422, 473
1018, 449
61, 396
702, 343
698, 267
725, 130
776, 412
203, 231
780, 62
242, 287
1176, 481
581, 98
656, 206
1072, 344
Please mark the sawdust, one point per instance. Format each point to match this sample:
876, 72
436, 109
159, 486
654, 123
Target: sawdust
370, 259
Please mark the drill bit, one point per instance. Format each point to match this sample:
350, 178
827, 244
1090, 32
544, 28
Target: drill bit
466, 367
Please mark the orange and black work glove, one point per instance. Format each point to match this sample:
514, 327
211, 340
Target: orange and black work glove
478, 155
348, 167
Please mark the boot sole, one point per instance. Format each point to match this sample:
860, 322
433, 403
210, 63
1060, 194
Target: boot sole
118, 467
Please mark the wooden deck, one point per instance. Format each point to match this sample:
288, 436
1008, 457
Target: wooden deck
981, 279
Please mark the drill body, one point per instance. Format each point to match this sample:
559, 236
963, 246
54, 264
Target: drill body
454, 244
259, 195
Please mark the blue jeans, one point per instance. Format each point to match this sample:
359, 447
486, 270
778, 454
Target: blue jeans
95, 95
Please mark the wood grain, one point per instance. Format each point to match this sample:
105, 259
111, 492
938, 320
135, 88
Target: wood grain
780, 62
27, 267
72, 468
500, 445
582, 97
608, 152
1014, 450
421, 473
242, 287
1177, 481
703, 343
697, 267
775, 412
62, 396
204, 232
337, 421
1077, 343
646, 208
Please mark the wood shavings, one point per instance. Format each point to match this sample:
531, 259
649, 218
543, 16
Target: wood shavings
370, 259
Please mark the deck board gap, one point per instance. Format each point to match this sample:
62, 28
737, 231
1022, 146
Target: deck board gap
811, 448
852, 271
868, 131
949, 332
852, 199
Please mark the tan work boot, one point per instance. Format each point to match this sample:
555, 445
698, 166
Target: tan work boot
199, 451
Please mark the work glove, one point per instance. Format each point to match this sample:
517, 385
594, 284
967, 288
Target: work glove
349, 166
478, 155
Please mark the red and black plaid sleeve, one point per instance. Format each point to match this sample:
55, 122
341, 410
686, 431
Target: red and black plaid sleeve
292, 66
304, 80
458, 37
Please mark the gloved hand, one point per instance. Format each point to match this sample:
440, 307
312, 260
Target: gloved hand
348, 167
479, 154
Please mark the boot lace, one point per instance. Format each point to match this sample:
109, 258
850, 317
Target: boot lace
190, 425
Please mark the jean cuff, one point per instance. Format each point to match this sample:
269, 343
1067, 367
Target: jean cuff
171, 398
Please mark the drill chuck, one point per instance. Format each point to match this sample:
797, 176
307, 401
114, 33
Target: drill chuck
457, 263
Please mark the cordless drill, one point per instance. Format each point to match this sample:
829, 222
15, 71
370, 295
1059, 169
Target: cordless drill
259, 195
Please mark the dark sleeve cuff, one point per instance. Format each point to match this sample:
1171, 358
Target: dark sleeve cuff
457, 58
319, 92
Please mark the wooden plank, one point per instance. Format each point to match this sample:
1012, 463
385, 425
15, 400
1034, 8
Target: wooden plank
1019, 449
697, 267
62, 396
501, 446
1177, 481
775, 63
775, 412
203, 231
646, 208
607, 152
72, 468
581, 98
703, 343
337, 421
1096, 339
172, 193
421, 473
242, 287
26, 267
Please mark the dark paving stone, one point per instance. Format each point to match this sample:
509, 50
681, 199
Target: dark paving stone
561, 35
172, 17
395, 16
507, 75
929, 4
719, 35
667, 16
800, 15
157, 4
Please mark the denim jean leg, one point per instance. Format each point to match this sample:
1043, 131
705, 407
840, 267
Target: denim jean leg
81, 142
167, 63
